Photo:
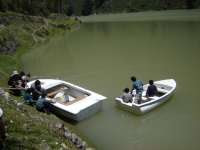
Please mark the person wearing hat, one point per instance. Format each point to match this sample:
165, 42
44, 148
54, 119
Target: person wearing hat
2, 130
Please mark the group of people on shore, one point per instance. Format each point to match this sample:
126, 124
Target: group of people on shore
33, 95
137, 90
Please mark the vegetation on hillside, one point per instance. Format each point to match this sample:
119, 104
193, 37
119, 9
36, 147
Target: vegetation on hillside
87, 7
26, 128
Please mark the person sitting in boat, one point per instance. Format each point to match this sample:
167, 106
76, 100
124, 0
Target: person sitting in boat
138, 86
127, 97
36, 90
42, 104
152, 89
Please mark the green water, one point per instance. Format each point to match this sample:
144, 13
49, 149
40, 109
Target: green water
102, 56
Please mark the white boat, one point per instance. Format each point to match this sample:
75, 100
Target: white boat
165, 89
71, 101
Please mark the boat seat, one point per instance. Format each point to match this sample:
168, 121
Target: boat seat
74, 101
162, 90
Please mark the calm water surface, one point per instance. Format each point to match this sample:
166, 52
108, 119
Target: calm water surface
102, 57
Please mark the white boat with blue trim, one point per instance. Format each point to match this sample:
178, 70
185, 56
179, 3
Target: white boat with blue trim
69, 100
165, 90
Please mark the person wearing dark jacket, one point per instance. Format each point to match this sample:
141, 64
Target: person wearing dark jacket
36, 90
13, 82
151, 90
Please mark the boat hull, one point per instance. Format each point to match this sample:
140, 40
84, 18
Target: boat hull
83, 114
77, 109
146, 107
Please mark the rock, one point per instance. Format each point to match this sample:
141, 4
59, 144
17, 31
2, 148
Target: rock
89, 148
64, 146
59, 125
66, 129
74, 138
6, 96
2, 92
11, 46
68, 135
3, 49
45, 146
78, 142
2, 26
25, 126
62, 26
20, 106
83, 145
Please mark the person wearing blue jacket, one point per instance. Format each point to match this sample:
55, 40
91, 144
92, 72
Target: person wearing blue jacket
138, 86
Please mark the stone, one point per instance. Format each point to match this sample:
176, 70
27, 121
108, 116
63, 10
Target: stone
20, 106
89, 148
45, 146
59, 125
84, 145
6, 96
74, 138
62, 26
68, 135
2, 26
64, 146
2, 91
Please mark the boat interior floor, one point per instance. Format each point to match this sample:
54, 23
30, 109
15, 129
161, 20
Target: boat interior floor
65, 95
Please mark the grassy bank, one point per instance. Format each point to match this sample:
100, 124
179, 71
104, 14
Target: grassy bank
26, 32
27, 128
165, 15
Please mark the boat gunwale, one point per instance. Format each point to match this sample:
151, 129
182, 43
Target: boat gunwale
152, 101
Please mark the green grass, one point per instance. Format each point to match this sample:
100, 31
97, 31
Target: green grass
28, 128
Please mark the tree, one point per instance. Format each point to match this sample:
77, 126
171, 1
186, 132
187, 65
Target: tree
98, 3
70, 10
3, 5
190, 4
88, 6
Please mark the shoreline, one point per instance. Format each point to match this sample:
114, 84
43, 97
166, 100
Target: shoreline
40, 31
150, 15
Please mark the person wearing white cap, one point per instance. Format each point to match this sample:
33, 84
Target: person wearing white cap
2, 129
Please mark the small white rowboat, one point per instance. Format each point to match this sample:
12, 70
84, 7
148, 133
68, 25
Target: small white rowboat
165, 89
71, 101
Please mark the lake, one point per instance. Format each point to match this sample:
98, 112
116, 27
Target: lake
102, 56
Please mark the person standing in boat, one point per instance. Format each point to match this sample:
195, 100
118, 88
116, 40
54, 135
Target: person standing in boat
138, 86
151, 90
127, 97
